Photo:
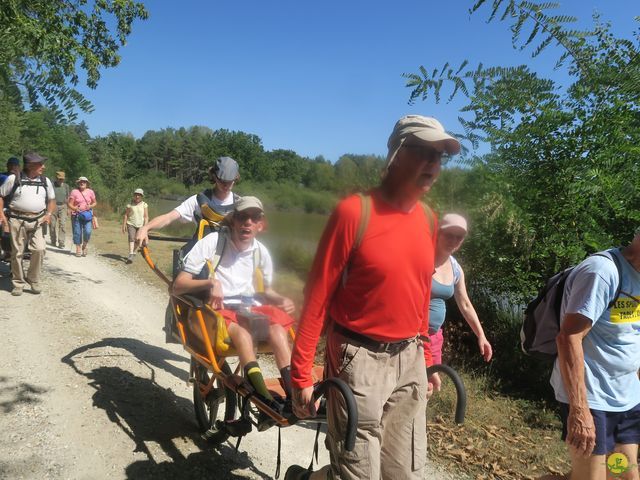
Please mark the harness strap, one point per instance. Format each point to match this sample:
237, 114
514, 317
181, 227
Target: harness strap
24, 218
278, 459
214, 262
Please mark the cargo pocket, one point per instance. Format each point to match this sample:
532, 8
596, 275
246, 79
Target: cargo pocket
348, 354
349, 464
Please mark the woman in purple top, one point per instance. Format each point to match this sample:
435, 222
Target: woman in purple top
447, 282
81, 202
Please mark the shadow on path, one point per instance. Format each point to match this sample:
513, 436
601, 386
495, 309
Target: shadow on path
113, 256
155, 418
18, 394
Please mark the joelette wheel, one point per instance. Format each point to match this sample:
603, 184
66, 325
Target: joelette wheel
207, 407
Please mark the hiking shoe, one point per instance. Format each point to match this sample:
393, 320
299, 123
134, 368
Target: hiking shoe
296, 472
35, 288
264, 422
16, 292
131, 257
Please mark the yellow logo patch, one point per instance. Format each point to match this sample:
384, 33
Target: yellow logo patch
625, 310
617, 463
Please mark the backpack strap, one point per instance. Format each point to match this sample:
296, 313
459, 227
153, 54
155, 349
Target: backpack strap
258, 273
613, 257
20, 180
363, 222
431, 217
365, 207
214, 262
16, 183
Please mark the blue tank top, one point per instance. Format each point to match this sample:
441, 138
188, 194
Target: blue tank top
439, 294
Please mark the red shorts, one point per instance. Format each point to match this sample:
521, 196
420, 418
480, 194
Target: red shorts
276, 316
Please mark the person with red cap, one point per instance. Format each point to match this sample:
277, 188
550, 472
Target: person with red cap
372, 299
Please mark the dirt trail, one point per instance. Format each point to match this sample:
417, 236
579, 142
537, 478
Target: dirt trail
89, 389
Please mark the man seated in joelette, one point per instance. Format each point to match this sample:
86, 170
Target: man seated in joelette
232, 286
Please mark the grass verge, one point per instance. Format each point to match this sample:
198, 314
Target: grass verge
501, 438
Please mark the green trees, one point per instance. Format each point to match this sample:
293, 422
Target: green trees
45, 45
562, 177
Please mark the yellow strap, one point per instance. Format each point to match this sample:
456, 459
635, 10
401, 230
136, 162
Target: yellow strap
365, 204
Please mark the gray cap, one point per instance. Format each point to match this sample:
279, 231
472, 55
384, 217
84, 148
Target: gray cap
33, 157
248, 202
226, 169
415, 130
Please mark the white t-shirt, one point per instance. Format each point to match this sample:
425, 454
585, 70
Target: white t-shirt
190, 208
28, 198
235, 270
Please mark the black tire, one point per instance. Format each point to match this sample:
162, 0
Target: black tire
207, 409
451, 398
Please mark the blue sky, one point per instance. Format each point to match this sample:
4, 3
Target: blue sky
321, 78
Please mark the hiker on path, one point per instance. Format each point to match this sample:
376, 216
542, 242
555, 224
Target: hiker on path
234, 287
595, 376
82, 200
136, 215
59, 217
30, 199
373, 301
448, 281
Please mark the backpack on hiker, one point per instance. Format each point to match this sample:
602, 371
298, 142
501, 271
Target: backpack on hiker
208, 221
21, 180
541, 322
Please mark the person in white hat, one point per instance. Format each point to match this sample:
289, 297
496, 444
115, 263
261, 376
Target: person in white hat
82, 201
232, 286
376, 314
448, 281
135, 216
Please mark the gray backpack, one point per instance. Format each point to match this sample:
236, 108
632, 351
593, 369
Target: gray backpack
541, 322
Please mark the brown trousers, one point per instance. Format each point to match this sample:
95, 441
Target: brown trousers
24, 232
390, 392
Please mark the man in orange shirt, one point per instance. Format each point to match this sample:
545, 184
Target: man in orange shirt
375, 299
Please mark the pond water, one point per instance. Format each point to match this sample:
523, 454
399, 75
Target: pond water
299, 228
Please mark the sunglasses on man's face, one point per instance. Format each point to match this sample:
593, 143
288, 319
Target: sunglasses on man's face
244, 216
429, 154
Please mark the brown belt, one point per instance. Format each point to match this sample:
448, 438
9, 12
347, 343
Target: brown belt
371, 344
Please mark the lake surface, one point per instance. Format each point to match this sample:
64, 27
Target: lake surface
298, 228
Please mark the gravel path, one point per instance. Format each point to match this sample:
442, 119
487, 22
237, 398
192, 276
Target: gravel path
89, 389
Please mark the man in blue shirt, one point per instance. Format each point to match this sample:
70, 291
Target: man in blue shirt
595, 377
